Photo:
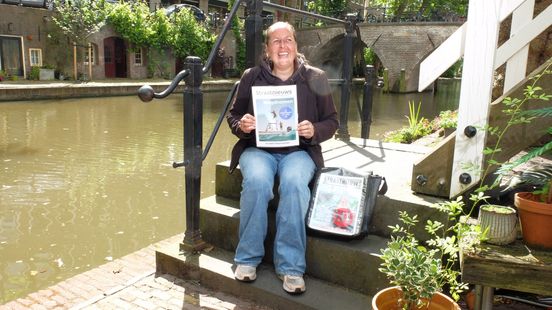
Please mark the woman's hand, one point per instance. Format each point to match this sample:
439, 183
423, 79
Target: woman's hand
305, 129
247, 123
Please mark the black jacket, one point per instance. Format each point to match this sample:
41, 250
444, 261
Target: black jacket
314, 103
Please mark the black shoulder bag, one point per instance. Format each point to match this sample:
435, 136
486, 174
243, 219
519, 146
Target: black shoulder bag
342, 202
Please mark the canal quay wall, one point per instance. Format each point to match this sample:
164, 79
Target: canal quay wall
27, 90
44, 90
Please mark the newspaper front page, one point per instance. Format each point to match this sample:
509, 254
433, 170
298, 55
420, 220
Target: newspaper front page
276, 117
337, 205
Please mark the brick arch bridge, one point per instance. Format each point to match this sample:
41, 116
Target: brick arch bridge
397, 45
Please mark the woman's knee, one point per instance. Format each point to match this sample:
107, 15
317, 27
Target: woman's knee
258, 182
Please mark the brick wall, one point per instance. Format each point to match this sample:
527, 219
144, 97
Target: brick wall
29, 24
32, 26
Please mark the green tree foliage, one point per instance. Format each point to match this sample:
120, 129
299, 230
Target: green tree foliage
162, 30
78, 19
133, 22
422, 9
333, 8
190, 38
180, 31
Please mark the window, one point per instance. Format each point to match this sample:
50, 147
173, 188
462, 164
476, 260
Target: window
138, 57
35, 56
92, 54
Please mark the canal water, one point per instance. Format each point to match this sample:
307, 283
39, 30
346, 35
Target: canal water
85, 181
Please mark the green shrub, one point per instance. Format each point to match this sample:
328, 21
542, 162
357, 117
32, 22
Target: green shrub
454, 71
35, 73
369, 56
419, 127
446, 119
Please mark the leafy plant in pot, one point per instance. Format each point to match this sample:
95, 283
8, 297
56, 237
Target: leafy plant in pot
517, 111
534, 207
419, 270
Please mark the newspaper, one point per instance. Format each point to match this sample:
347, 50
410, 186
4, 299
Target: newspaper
338, 206
275, 110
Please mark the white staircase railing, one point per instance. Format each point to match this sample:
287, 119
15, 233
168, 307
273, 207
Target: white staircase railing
476, 41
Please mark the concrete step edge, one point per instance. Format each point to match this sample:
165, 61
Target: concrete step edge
214, 269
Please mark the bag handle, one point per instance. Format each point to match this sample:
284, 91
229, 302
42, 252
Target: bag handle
383, 187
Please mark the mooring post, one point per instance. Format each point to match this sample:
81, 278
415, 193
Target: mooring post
193, 125
367, 102
343, 130
253, 32
402, 81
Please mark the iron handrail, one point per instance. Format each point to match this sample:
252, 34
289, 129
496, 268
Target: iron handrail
220, 119
146, 92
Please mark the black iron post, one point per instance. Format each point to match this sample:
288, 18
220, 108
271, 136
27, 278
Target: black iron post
193, 124
343, 130
367, 102
253, 33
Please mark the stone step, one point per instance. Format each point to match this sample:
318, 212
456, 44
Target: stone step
353, 264
385, 214
214, 269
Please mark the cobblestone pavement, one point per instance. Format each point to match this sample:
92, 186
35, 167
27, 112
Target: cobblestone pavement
130, 283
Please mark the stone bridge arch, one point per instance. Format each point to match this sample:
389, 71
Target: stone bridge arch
397, 45
329, 55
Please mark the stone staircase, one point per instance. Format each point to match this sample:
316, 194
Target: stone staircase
340, 274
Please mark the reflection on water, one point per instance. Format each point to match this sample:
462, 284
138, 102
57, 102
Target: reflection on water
84, 181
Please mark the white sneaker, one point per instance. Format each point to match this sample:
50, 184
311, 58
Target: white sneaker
293, 284
245, 273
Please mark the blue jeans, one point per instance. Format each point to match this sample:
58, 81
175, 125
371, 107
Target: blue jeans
295, 171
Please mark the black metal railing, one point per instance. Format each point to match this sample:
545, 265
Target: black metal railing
193, 125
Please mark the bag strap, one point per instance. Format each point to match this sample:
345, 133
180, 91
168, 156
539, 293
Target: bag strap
383, 187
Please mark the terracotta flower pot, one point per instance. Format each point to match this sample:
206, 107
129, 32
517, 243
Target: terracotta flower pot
388, 299
536, 220
499, 222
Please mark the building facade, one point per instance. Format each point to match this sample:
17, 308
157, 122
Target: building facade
28, 39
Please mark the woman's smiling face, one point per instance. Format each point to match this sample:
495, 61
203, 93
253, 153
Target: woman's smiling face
282, 48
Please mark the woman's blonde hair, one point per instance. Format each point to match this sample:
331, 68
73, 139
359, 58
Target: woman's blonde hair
279, 25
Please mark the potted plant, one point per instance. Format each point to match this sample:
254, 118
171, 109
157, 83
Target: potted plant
46, 73
499, 223
535, 208
419, 270
517, 112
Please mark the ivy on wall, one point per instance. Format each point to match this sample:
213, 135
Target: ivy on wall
180, 31
237, 26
